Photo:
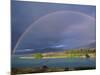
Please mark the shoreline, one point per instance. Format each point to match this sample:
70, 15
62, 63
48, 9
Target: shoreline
26, 57
45, 69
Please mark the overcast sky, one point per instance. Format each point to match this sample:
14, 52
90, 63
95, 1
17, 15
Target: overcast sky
52, 25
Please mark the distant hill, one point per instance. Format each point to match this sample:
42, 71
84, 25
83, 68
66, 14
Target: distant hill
45, 50
91, 45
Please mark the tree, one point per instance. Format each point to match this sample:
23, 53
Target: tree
87, 56
38, 56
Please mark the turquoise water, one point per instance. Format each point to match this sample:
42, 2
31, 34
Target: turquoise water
57, 62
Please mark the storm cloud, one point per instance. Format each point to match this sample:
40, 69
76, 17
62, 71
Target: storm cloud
67, 29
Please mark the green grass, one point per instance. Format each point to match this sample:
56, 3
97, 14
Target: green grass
70, 55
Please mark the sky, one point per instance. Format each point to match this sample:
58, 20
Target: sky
41, 25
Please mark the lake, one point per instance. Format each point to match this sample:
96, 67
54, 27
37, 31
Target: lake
53, 63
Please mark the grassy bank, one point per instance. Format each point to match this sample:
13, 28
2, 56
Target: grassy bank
79, 53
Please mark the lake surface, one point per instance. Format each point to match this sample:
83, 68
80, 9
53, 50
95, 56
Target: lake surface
53, 63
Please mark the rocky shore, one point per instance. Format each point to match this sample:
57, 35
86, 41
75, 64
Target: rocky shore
45, 68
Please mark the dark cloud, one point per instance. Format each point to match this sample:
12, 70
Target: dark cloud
62, 28
50, 33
